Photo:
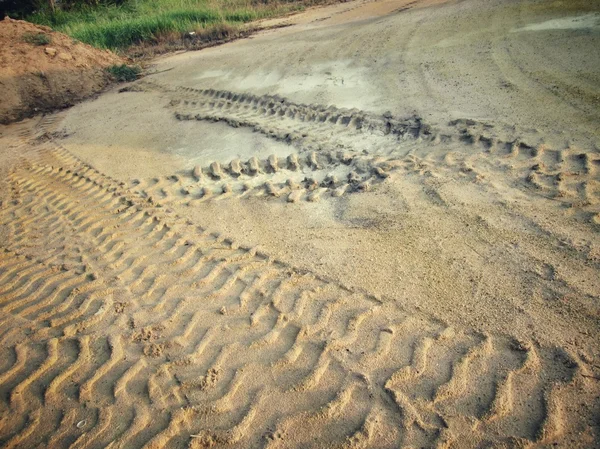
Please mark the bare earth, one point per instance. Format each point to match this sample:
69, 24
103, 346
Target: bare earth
50, 75
377, 227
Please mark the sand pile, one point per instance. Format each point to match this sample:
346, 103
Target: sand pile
41, 70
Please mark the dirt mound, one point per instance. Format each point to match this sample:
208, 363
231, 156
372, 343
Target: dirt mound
41, 69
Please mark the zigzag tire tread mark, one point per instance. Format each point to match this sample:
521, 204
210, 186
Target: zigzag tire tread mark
275, 106
570, 175
337, 361
292, 179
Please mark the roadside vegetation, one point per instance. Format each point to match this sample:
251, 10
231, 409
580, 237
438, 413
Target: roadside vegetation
124, 72
130, 24
136, 21
36, 38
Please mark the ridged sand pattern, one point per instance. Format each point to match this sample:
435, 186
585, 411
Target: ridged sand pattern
293, 180
327, 137
125, 326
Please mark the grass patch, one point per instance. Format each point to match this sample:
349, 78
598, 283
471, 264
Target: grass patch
36, 38
123, 33
135, 22
124, 72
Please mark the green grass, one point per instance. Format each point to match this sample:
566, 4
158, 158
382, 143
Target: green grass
124, 72
36, 38
142, 21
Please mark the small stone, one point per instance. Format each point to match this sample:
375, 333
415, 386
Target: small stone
51, 51
197, 172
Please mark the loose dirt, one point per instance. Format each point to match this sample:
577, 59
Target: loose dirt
42, 70
376, 227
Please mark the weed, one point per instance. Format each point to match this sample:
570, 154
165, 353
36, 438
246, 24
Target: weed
36, 38
121, 25
124, 72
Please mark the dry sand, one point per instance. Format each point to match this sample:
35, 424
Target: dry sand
42, 70
377, 227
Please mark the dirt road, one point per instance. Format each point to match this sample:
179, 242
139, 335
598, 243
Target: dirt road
376, 227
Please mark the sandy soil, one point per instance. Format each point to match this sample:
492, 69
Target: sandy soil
45, 75
377, 227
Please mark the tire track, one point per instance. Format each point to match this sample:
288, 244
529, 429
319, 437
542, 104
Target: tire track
226, 346
464, 148
295, 179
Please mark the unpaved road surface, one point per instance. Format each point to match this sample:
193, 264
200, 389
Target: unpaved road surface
377, 227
